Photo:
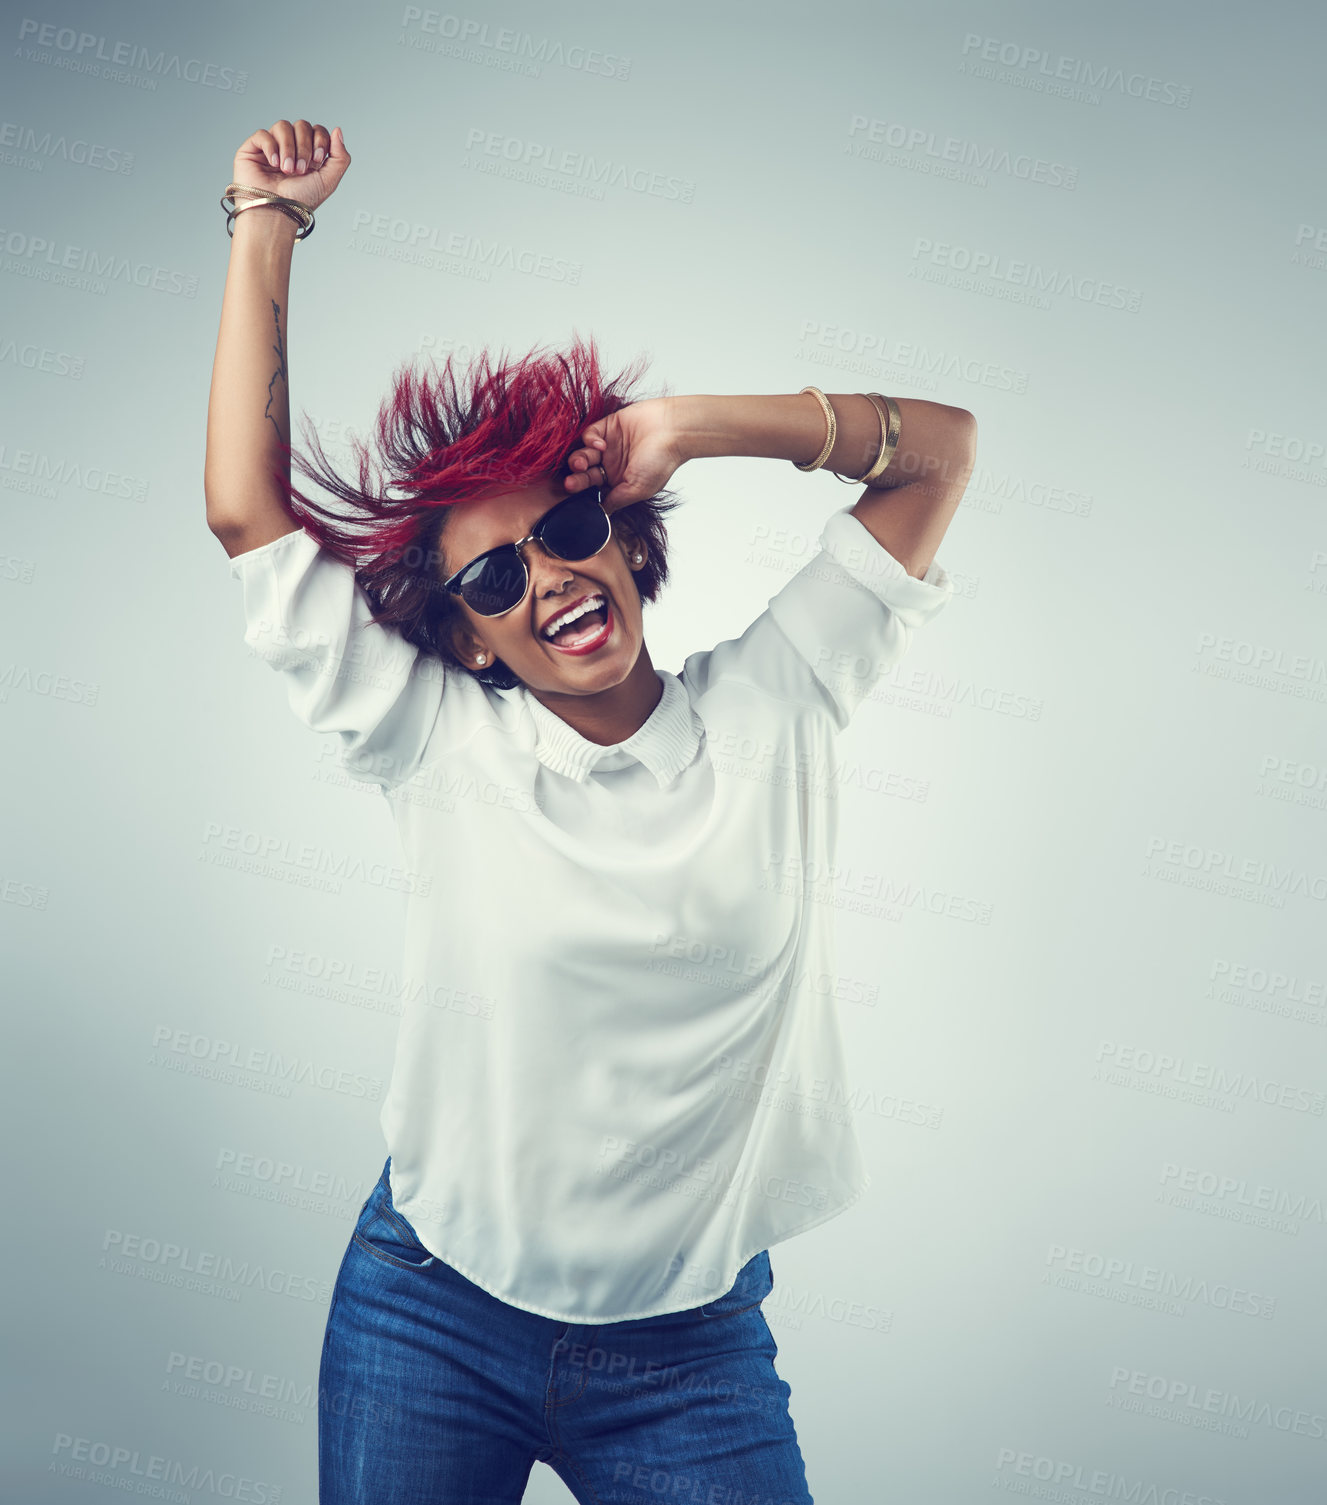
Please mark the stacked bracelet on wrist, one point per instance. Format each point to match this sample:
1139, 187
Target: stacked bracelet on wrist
242, 197
890, 429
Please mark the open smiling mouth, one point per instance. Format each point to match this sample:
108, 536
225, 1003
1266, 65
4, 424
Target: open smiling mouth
583, 627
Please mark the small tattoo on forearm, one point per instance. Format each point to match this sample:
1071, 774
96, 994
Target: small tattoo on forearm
280, 371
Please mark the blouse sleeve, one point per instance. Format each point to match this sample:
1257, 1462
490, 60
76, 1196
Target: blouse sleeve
307, 616
835, 629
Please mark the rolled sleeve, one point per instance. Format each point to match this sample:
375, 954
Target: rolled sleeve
307, 617
850, 612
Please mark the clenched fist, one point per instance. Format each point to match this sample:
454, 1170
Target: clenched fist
299, 161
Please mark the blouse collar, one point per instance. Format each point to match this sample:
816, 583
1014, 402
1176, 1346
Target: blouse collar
666, 744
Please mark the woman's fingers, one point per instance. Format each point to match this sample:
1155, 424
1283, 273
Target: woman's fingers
264, 142
284, 134
581, 459
303, 145
579, 480
296, 147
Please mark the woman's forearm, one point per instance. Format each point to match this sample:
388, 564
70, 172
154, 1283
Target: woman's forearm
906, 509
793, 428
248, 413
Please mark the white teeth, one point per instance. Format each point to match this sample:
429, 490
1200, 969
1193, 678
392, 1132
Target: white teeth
589, 604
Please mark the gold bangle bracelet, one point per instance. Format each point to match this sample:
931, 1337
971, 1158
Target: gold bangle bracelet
237, 191
858, 480
239, 197
831, 431
890, 438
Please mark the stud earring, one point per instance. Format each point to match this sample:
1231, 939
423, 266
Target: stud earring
635, 558
481, 658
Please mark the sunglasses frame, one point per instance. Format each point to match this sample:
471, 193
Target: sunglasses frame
453, 582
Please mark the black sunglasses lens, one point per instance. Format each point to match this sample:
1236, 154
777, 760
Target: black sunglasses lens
578, 527
575, 529
494, 585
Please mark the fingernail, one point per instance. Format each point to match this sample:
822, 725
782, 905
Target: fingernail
274, 160
301, 165
318, 157
286, 164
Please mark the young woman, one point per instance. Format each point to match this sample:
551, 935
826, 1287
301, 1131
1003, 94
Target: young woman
618, 1076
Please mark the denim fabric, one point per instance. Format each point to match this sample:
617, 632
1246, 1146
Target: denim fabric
431, 1391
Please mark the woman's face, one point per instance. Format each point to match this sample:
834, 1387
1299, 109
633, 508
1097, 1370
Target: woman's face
583, 661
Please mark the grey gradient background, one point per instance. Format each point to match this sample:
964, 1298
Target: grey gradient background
1133, 659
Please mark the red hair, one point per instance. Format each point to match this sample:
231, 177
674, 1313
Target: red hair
503, 427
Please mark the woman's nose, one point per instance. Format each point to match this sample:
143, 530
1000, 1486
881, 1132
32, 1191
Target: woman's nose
547, 571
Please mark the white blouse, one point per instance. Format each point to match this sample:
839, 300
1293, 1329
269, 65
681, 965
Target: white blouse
618, 1073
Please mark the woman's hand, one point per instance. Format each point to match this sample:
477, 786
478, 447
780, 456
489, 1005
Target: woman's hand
635, 450
299, 161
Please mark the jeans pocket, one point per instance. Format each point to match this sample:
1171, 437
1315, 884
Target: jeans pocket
755, 1280
382, 1232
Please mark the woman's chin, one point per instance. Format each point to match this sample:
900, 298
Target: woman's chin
586, 674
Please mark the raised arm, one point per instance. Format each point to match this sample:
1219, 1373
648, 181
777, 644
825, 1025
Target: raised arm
846, 618
907, 509
248, 413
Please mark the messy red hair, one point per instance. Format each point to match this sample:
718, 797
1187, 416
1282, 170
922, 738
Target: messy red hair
439, 442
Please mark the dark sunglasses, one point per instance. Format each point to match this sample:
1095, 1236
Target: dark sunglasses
493, 582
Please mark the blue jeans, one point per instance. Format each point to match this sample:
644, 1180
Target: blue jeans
431, 1391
